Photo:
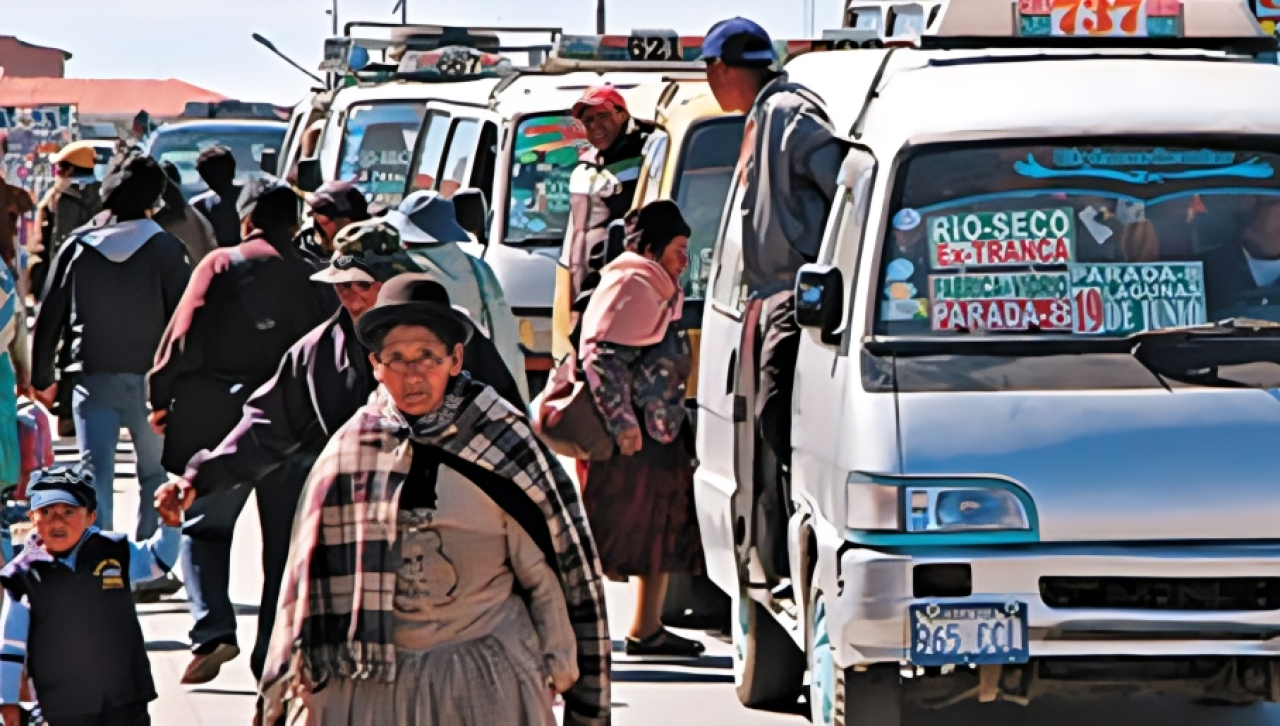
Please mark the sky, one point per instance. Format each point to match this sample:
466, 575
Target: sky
208, 43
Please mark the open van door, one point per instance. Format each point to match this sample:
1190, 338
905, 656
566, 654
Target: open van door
457, 149
726, 423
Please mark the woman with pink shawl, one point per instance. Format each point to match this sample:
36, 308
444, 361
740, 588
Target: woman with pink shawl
636, 359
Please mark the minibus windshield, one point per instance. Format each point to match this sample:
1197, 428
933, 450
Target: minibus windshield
1081, 238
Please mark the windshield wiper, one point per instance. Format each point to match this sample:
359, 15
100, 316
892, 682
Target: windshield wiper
1194, 354
1229, 327
1031, 343
542, 239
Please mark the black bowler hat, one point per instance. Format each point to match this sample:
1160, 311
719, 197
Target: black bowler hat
415, 299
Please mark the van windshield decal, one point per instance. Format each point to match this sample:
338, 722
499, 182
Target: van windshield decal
1252, 169
1107, 299
1123, 299
1023, 237
1139, 238
1001, 302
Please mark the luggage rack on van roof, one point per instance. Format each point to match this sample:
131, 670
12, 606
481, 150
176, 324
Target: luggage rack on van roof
678, 57
374, 52
1219, 25
230, 109
642, 50
656, 50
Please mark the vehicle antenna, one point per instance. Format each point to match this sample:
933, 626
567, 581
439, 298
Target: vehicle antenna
271, 47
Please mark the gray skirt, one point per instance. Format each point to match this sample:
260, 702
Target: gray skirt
496, 679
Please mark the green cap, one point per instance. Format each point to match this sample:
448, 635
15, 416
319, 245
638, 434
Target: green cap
366, 251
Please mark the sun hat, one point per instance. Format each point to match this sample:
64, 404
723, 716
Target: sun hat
415, 299
425, 217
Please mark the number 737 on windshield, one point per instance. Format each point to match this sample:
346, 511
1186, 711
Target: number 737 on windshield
1100, 18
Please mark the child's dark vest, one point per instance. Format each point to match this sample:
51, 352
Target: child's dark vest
85, 651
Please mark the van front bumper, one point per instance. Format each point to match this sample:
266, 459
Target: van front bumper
874, 589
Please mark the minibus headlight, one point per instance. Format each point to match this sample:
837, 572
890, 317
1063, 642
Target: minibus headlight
920, 506
962, 509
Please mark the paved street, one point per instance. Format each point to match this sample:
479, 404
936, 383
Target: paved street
646, 694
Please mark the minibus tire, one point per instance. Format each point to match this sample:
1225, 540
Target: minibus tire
772, 668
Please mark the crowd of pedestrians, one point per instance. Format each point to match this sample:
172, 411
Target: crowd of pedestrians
426, 559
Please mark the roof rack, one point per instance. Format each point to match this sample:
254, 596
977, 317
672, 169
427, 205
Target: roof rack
230, 109
368, 48
642, 50
649, 50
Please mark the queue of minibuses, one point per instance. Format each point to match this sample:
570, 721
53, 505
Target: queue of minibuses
503, 135
397, 124
1035, 390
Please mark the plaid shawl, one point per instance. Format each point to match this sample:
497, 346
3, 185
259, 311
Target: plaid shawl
336, 613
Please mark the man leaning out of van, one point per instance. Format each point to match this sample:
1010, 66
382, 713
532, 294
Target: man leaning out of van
787, 170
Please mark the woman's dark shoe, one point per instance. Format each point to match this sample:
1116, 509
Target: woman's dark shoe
665, 643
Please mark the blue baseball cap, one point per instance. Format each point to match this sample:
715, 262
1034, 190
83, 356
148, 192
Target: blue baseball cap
62, 485
739, 42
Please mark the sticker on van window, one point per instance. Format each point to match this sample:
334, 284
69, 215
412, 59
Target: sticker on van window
1001, 302
900, 310
1126, 298
1002, 239
897, 279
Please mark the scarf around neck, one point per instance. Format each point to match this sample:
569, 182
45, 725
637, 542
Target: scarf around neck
336, 609
634, 304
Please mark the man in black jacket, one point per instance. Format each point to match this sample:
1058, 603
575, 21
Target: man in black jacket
320, 384
231, 329
217, 167
109, 297
334, 206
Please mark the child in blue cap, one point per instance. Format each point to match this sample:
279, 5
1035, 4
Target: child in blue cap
68, 616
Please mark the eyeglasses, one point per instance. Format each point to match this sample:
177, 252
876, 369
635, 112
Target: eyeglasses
425, 364
358, 286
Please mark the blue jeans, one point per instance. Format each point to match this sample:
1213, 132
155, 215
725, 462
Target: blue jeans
206, 565
101, 405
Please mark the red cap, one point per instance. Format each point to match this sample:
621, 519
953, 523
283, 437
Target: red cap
598, 96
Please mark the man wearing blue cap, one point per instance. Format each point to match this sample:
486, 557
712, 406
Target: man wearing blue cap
68, 617
787, 169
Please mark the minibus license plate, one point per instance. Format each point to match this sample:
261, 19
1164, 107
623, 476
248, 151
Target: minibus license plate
963, 633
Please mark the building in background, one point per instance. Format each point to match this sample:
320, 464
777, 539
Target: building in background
41, 111
101, 100
24, 60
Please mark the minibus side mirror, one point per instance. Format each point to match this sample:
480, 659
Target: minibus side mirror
310, 177
270, 162
820, 300
472, 211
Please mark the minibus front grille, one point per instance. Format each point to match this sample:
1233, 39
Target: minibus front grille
1161, 593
